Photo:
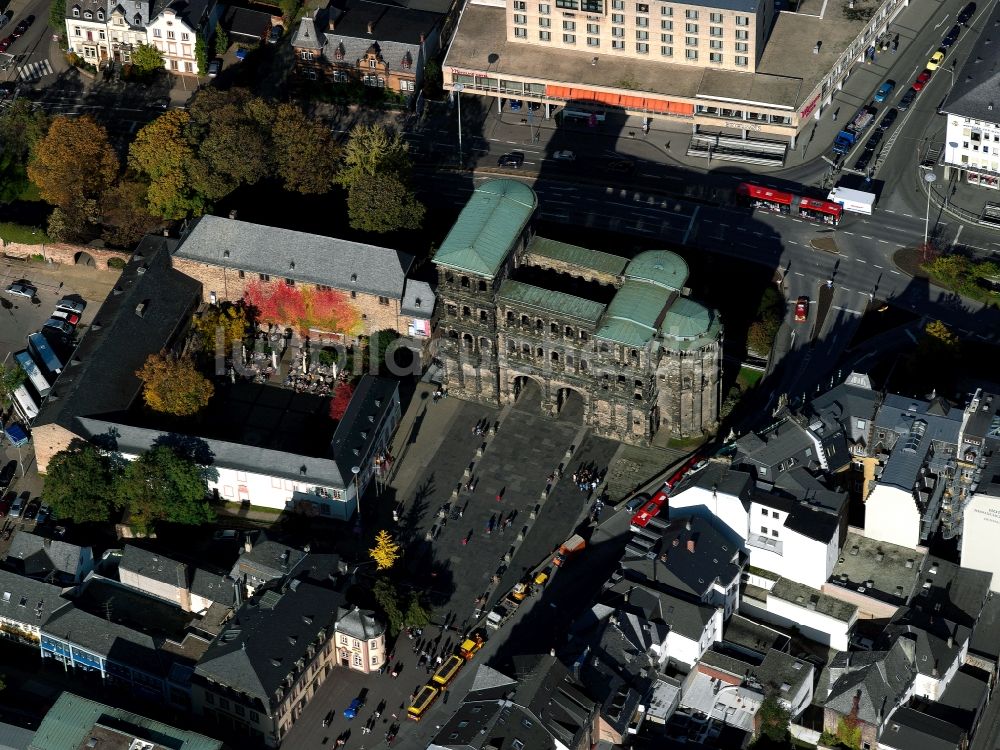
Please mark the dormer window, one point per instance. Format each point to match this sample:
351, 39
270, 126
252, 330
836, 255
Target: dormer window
138, 19
372, 63
407, 61
100, 15
88, 15
76, 12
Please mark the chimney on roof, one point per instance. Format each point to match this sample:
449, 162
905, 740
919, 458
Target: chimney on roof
371, 27
422, 40
690, 545
247, 543
687, 524
951, 642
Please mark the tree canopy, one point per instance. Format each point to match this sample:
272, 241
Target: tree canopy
10, 378
22, 125
79, 483
385, 552
173, 385
162, 153
305, 154
382, 203
146, 59
161, 485
228, 321
74, 162
373, 150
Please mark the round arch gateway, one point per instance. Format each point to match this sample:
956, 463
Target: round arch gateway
571, 405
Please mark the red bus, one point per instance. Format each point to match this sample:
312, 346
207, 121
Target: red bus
824, 211
763, 197
650, 510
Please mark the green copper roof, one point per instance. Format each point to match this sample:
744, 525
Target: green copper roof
595, 260
660, 267
488, 227
526, 295
689, 325
631, 317
69, 723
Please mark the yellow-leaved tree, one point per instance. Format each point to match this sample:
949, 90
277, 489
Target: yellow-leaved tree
173, 385
385, 552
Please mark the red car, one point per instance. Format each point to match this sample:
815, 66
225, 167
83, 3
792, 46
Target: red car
5, 504
5, 43
801, 309
922, 79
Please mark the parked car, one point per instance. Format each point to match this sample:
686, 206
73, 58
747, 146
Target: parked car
801, 309
275, 34
534, 106
4, 19
7, 89
5, 502
6, 42
7, 476
31, 510
328, 718
23, 26
884, 90
872, 143
71, 318
214, 68
564, 155
888, 119
17, 507
952, 36
863, 161
904, 104
636, 502
620, 166
936, 59
922, 79
967, 13
59, 325
21, 289
515, 105
514, 160
71, 305
241, 53
44, 513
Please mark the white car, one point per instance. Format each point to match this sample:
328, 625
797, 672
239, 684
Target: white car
70, 305
20, 289
564, 155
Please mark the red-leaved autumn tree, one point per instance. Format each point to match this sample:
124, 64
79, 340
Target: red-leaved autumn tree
304, 308
341, 398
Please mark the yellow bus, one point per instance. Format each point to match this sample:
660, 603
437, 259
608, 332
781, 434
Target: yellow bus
422, 702
447, 671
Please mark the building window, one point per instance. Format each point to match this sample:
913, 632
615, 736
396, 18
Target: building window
520, 33
667, 25
569, 25
406, 85
544, 9
520, 18
666, 10
593, 41
240, 711
763, 529
88, 15
383, 300
189, 67
306, 55
617, 18
618, 4
642, 48
374, 661
170, 35
742, 34
691, 54
520, 5
691, 28
264, 277
254, 717
742, 20
641, 35
667, 38
289, 282
593, 28
76, 31
100, 15
774, 532
715, 31
544, 36
545, 22
691, 41
618, 32
691, 15
617, 44
715, 17
742, 61
357, 660
641, 8
210, 699
224, 704
667, 51
185, 37
642, 23
741, 47
569, 38
76, 12
157, 33
714, 44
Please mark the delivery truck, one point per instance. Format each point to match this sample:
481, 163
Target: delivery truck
855, 201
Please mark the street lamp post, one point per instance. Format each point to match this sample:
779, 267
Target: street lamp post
458, 88
930, 178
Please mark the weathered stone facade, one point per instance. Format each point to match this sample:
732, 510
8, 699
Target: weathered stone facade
498, 330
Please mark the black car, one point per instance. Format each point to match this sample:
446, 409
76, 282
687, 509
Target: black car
888, 119
904, 103
952, 36
328, 718
967, 12
23, 26
874, 140
514, 159
7, 476
534, 106
31, 510
7, 88
863, 161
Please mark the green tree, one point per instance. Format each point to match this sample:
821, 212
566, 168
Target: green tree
57, 18
221, 40
161, 485
22, 125
173, 385
305, 155
10, 378
382, 203
228, 321
373, 150
124, 215
387, 597
231, 133
163, 154
146, 59
201, 55
73, 162
433, 83
416, 615
75, 222
760, 338
79, 483
772, 721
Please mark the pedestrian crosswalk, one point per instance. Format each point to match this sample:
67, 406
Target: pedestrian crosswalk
35, 70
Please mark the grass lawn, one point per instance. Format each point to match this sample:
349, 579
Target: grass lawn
748, 378
11, 232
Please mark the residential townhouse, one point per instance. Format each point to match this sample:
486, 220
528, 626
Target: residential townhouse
908, 728
25, 606
360, 640
192, 589
174, 30
51, 560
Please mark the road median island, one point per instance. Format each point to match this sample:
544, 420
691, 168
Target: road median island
826, 244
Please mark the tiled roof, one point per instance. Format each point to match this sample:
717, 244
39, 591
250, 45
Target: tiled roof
39, 555
359, 623
418, 299
488, 227
105, 638
974, 93
26, 600
307, 36
578, 257
562, 304
284, 253
354, 438
154, 566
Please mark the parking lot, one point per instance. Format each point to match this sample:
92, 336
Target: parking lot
20, 317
